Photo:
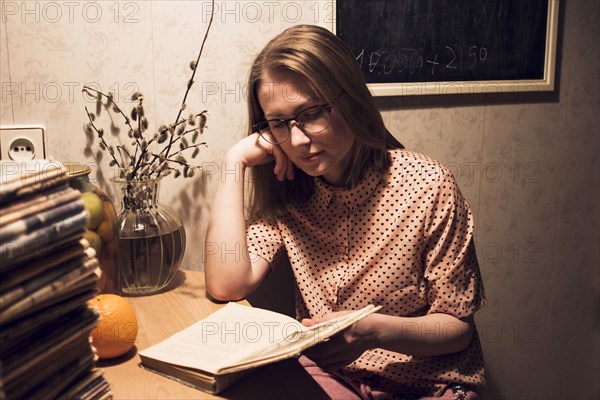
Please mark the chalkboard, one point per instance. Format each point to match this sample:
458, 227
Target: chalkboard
451, 46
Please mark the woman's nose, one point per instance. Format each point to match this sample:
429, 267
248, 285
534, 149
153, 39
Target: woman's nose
297, 136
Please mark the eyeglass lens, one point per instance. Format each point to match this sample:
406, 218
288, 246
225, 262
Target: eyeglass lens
312, 120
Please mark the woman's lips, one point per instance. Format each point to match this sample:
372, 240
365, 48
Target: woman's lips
311, 157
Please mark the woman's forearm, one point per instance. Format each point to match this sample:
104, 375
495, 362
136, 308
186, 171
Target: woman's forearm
228, 271
429, 335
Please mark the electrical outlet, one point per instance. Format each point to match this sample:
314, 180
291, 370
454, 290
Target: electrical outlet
22, 142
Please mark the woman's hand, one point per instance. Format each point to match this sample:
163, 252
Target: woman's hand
255, 150
344, 347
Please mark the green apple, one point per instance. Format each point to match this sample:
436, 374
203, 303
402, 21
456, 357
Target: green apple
94, 239
95, 207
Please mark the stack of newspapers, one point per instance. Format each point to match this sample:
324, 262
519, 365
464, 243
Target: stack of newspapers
47, 275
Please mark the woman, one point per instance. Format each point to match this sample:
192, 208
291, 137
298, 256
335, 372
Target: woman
362, 221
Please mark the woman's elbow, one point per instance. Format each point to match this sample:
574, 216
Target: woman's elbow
463, 336
222, 296
220, 292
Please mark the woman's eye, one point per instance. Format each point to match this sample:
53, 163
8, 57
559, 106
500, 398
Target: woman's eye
276, 124
310, 114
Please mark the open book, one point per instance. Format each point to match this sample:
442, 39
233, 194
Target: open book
218, 350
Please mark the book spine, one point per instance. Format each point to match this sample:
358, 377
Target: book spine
37, 221
29, 184
32, 285
37, 203
29, 270
31, 244
55, 288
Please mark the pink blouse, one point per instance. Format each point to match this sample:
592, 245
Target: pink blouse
402, 240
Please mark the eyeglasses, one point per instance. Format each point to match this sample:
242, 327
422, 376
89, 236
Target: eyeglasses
313, 119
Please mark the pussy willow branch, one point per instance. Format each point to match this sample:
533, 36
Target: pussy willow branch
144, 151
176, 139
100, 135
191, 81
192, 146
112, 102
183, 134
138, 161
122, 149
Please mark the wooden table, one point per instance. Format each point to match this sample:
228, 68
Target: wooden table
162, 315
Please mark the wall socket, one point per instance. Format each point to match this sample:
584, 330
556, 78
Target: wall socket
22, 142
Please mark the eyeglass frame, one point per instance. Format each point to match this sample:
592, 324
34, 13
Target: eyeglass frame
286, 121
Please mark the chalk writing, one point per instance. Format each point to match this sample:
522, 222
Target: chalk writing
409, 61
406, 41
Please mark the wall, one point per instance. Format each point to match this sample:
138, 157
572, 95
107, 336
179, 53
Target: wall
526, 162
528, 165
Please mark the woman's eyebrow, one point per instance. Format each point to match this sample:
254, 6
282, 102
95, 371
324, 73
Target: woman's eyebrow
308, 103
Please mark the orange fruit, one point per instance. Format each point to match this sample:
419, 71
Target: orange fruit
116, 331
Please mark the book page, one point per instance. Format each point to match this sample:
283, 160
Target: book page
302, 339
225, 336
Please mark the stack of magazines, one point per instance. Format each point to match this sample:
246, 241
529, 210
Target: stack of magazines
47, 275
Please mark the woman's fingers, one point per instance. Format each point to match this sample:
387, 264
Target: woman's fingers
250, 151
290, 170
283, 166
332, 354
257, 150
280, 162
328, 348
287, 169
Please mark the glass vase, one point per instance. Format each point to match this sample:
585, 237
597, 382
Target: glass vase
100, 231
150, 238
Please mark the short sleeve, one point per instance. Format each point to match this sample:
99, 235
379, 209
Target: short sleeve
264, 240
452, 271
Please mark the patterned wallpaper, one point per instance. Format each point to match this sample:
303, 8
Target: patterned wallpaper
526, 162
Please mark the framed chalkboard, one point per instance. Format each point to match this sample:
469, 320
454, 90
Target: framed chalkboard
418, 47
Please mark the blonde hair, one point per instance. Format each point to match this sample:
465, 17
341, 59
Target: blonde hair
328, 66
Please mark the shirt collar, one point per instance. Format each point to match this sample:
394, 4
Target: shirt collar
326, 193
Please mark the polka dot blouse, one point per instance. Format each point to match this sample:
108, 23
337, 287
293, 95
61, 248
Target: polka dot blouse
402, 240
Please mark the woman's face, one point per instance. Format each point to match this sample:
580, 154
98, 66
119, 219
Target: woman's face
282, 94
